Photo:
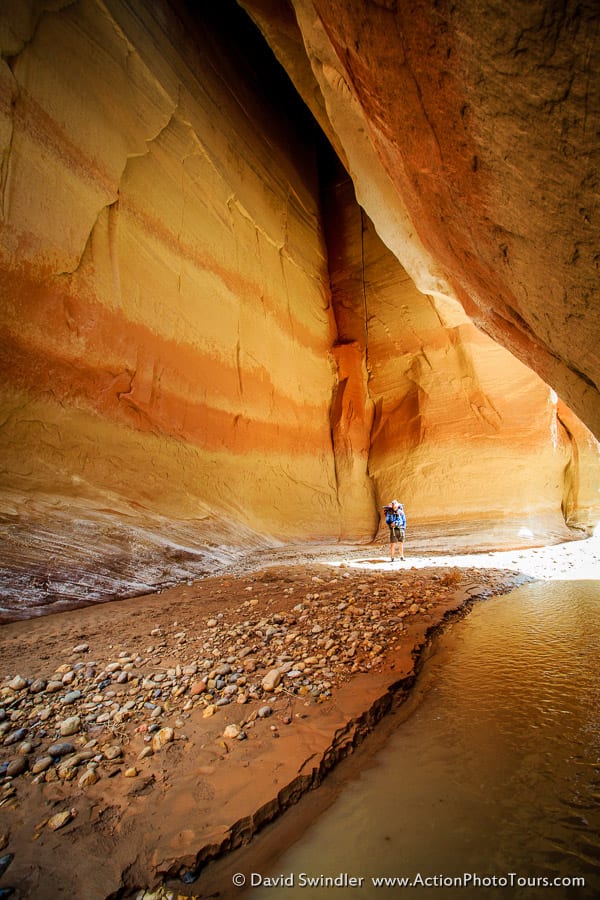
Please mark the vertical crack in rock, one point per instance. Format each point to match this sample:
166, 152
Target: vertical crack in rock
352, 407
334, 417
364, 291
7, 149
571, 475
113, 251
238, 363
370, 397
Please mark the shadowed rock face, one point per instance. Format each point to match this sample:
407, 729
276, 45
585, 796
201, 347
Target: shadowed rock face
471, 138
207, 346
462, 428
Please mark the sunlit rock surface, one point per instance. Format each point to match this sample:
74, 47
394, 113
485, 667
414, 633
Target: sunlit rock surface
164, 297
205, 347
459, 428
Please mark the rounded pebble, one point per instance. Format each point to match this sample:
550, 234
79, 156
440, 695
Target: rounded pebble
17, 766
57, 821
61, 748
162, 737
70, 726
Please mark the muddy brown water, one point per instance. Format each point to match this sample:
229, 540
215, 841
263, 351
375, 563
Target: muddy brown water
490, 786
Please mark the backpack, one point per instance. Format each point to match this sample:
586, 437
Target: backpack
389, 514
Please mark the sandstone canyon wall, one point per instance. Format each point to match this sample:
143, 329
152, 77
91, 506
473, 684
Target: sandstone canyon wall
206, 348
470, 131
456, 425
165, 313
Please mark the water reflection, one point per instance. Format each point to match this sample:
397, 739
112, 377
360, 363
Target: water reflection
496, 773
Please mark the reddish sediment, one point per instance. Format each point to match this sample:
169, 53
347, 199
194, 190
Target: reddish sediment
355, 637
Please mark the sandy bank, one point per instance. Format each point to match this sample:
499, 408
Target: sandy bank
196, 716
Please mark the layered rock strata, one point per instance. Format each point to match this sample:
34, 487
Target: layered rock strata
471, 139
205, 347
164, 299
456, 425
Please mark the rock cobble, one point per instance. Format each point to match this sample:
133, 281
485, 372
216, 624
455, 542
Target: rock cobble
75, 723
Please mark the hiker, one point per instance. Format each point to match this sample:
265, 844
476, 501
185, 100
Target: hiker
396, 519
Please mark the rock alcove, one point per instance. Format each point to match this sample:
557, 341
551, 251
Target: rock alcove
246, 301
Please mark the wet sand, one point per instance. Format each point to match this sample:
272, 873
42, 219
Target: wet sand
207, 710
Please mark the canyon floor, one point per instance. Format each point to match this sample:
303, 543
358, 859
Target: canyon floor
145, 741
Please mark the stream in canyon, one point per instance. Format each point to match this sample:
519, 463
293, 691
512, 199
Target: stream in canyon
490, 787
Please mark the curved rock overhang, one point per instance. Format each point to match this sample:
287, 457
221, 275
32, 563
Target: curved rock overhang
208, 345
472, 140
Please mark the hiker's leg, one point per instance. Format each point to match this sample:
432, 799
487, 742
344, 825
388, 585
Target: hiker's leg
393, 541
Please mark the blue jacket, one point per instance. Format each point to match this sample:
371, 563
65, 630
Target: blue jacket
395, 517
